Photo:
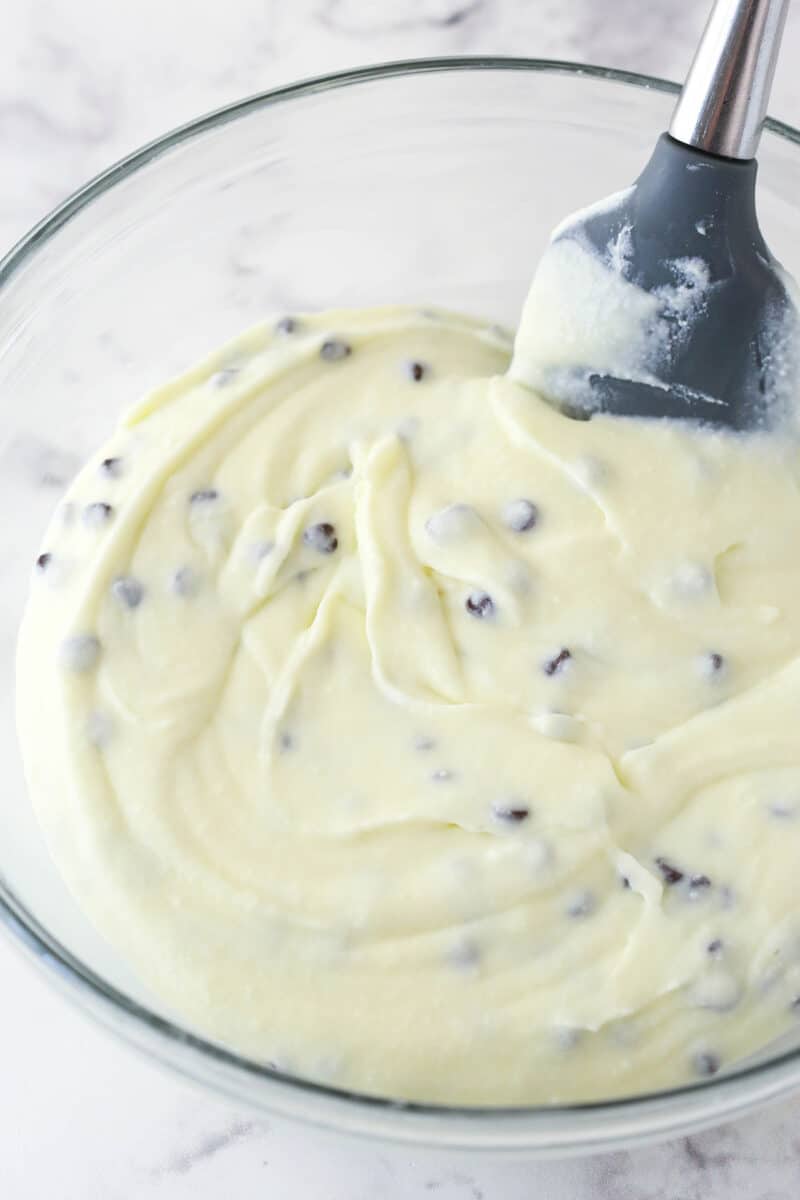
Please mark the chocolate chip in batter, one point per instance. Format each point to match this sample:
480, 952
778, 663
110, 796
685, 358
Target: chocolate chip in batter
204, 496
699, 883
712, 665
670, 874
714, 947
128, 591
334, 350
465, 955
80, 653
513, 814
223, 377
321, 537
452, 523
626, 883
97, 514
480, 605
582, 904
44, 561
692, 581
783, 810
99, 729
286, 325
567, 1037
424, 743
705, 1063
521, 515
416, 371
285, 741
111, 468
554, 666
185, 582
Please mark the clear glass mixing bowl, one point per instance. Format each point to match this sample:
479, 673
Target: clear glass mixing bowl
421, 182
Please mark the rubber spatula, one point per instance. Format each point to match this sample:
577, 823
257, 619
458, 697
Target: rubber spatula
664, 301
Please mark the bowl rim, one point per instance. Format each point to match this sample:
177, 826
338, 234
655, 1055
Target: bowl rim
593, 1125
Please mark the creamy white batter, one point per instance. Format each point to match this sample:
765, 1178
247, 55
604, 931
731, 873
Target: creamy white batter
411, 736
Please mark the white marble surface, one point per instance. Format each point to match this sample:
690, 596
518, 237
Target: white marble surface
80, 85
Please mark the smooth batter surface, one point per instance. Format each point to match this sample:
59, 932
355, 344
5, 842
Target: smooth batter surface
411, 736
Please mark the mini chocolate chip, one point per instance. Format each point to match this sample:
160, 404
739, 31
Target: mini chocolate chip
443, 775
783, 810
321, 537
451, 523
223, 377
334, 350
704, 1063
521, 515
699, 881
185, 582
582, 904
465, 955
204, 496
286, 741
714, 947
671, 875
479, 604
111, 467
80, 653
691, 580
554, 665
626, 883
416, 371
712, 665
286, 325
44, 561
513, 815
99, 729
424, 743
97, 514
567, 1037
129, 592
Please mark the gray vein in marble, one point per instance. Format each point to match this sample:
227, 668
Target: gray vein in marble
42, 464
208, 1147
695, 1153
460, 1183
347, 16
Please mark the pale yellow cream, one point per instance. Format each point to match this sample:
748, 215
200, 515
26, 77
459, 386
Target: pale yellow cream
411, 736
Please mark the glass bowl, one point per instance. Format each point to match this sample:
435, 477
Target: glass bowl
423, 182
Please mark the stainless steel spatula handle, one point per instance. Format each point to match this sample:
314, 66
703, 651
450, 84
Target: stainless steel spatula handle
724, 100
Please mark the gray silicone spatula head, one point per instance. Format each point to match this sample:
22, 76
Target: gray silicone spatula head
664, 301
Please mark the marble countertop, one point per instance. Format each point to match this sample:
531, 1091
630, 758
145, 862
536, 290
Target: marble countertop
80, 85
